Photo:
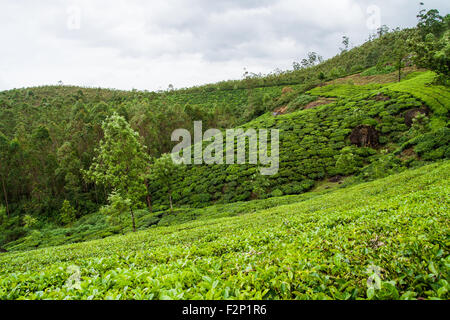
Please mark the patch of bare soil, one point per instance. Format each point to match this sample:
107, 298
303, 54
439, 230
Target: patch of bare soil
319, 102
280, 110
358, 79
286, 90
407, 154
364, 136
381, 97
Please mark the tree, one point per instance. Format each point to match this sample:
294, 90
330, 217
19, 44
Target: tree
312, 60
346, 163
430, 22
431, 42
8, 152
165, 171
122, 162
399, 53
116, 209
67, 213
383, 30
345, 43
321, 76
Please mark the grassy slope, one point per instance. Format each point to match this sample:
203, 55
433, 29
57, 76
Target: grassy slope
319, 248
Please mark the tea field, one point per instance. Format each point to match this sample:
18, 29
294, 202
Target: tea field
385, 239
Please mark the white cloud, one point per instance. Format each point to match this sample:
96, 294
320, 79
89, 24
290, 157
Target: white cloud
147, 45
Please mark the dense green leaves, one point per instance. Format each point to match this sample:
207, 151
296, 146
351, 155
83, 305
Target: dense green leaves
121, 163
386, 239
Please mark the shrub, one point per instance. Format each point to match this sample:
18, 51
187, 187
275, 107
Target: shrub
385, 165
29, 221
276, 193
67, 213
346, 163
117, 210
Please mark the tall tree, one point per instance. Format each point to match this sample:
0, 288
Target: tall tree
122, 162
8, 152
431, 42
4, 161
399, 54
165, 171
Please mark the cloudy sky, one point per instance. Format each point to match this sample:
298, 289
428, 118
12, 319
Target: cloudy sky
148, 45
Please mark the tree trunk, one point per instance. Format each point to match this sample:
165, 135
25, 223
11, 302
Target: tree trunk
148, 198
132, 218
5, 194
170, 201
149, 203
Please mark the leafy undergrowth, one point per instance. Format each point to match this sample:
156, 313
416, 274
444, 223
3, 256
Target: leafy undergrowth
386, 239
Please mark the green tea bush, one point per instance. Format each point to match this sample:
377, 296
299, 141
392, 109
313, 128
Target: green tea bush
379, 240
383, 166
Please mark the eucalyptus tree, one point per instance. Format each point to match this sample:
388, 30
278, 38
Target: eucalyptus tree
165, 172
122, 162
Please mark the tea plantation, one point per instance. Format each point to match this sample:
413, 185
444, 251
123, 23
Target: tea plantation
315, 144
386, 239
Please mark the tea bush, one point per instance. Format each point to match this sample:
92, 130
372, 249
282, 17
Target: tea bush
386, 239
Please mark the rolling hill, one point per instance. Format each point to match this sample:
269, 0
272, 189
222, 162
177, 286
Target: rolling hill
358, 208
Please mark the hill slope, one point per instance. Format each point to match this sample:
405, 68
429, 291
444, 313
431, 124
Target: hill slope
49, 136
339, 245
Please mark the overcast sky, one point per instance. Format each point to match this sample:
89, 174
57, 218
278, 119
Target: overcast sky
148, 45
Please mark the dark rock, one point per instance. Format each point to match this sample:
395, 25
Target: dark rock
412, 113
364, 136
336, 178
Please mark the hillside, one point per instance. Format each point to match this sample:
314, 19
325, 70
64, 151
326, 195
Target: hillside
386, 239
93, 206
49, 138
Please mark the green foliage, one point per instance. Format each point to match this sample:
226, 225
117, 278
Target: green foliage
437, 97
376, 70
433, 145
166, 173
117, 209
67, 213
29, 221
121, 163
49, 137
431, 42
346, 162
299, 102
377, 240
277, 193
3, 216
384, 166
311, 142
343, 90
